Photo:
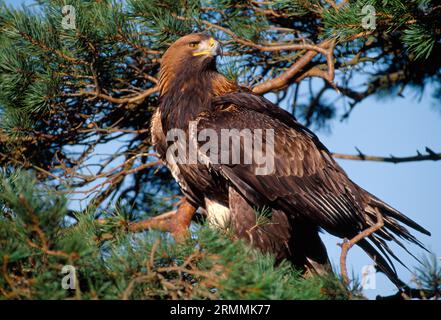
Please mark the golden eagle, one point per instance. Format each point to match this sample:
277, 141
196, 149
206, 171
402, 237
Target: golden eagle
305, 191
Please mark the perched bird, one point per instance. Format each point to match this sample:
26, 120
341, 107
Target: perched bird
303, 191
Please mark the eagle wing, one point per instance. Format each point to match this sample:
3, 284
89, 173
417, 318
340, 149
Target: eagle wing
306, 182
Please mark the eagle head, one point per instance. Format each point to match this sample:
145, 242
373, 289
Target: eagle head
189, 55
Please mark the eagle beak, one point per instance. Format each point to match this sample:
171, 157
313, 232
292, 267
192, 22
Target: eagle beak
209, 47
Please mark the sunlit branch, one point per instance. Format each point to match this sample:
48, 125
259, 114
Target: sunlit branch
431, 155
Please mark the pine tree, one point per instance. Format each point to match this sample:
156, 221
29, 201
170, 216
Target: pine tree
111, 263
79, 77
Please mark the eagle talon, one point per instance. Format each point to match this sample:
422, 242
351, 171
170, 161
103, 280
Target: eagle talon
176, 222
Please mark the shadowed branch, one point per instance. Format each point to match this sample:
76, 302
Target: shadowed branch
431, 155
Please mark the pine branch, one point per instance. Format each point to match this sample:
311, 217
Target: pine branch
348, 244
326, 47
431, 155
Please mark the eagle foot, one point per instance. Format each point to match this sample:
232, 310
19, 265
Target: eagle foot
176, 222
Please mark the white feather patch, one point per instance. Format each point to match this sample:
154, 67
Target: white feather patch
218, 215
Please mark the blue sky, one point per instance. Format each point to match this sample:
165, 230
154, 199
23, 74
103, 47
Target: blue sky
396, 126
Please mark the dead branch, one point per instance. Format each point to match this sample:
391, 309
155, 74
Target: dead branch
410, 293
332, 4
431, 155
327, 48
127, 100
348, 244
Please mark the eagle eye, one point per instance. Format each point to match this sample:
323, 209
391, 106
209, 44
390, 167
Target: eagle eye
193, 44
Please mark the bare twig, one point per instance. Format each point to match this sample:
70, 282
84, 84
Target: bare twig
348, 244
327, 48
133, 99
392, 159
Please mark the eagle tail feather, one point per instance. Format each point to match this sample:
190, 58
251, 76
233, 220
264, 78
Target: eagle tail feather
393, 229
387, 210
380, 243
381, 263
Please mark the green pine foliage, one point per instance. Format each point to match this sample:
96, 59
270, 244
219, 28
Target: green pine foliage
428, 275
410, 18
420, 41
37, 241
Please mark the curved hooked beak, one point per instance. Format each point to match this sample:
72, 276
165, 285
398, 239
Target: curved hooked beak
209, 47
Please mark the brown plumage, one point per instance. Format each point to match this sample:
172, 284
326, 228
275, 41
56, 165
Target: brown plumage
306, 191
